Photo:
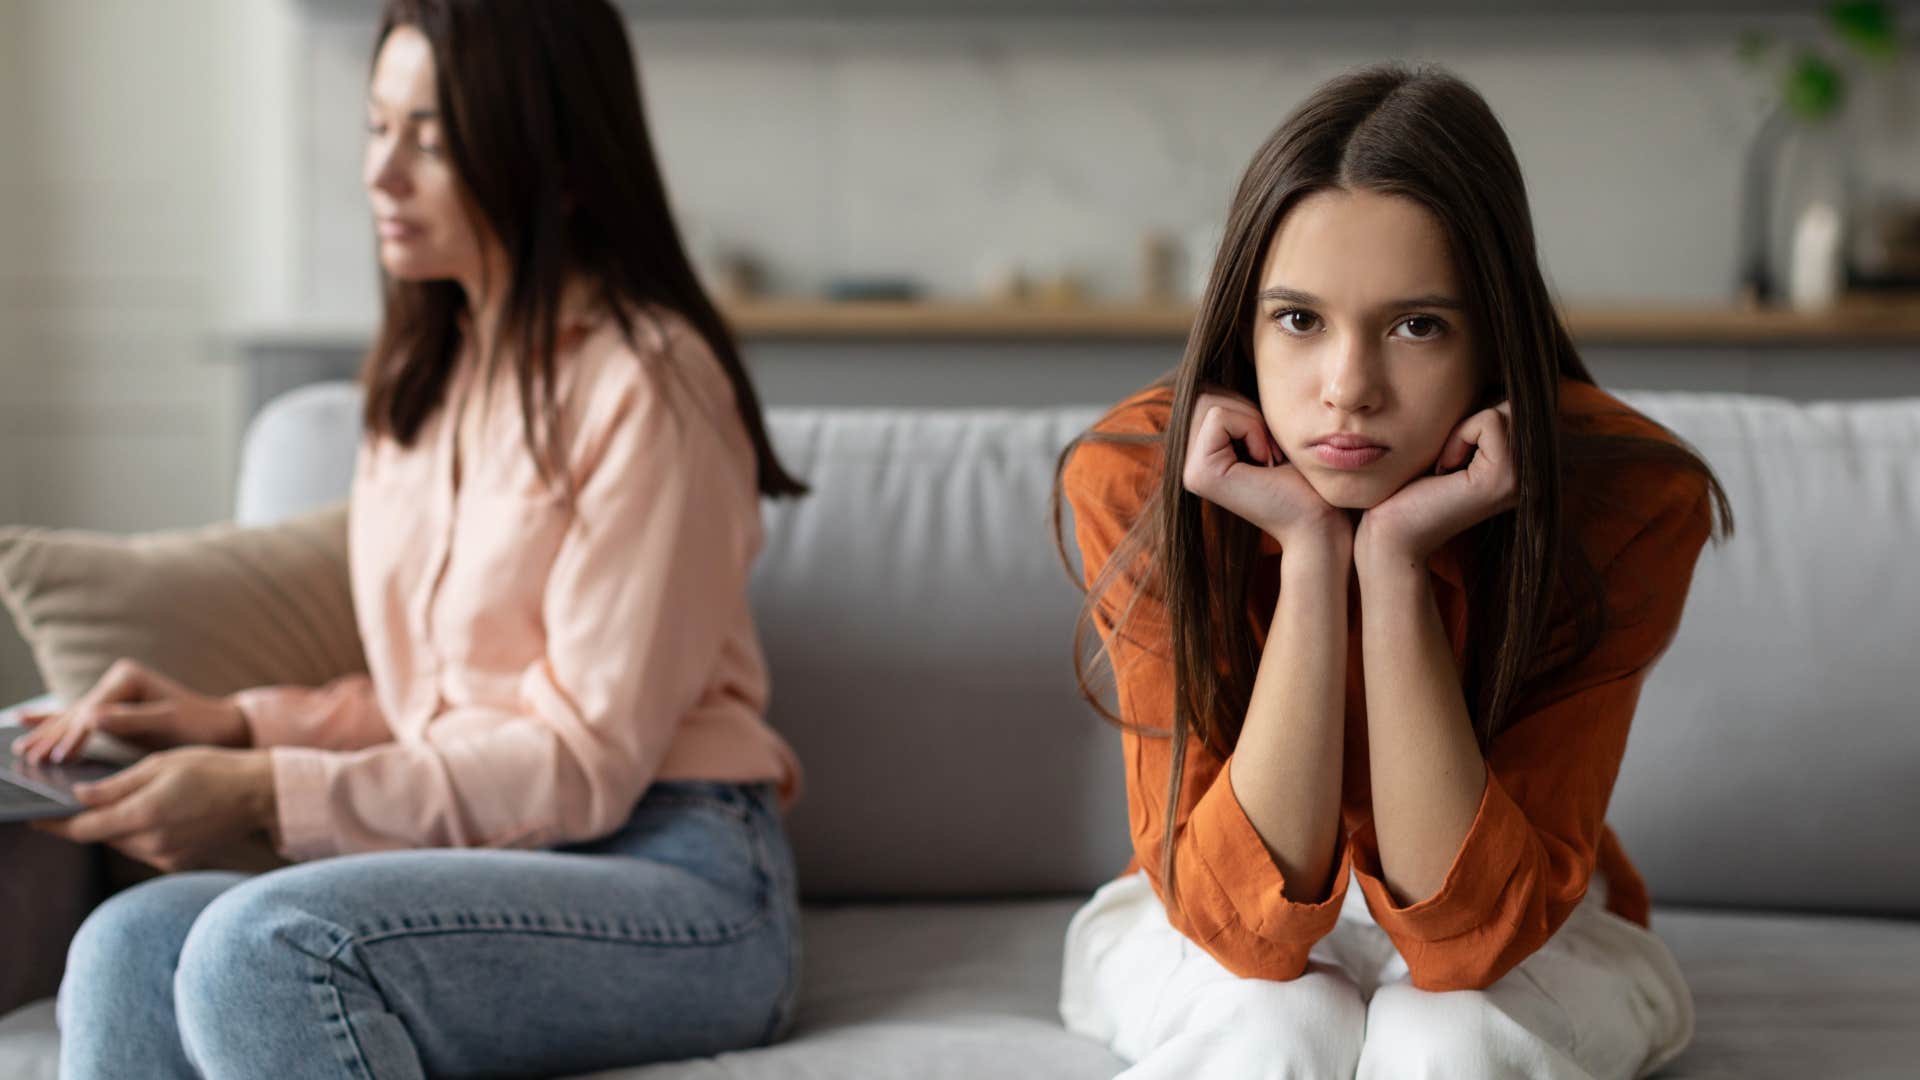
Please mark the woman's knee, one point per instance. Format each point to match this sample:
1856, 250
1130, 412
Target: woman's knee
144, 925
253, 939
131, 943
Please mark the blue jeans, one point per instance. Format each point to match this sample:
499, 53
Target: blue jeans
675, 937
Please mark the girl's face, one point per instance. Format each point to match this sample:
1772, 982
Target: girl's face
425, 226
1360, 330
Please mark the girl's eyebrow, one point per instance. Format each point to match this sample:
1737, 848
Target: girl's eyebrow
1296, 296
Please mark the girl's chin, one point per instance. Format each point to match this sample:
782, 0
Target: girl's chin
1351, 491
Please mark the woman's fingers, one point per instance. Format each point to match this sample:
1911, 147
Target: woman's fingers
72, 738
135, 720
125, 681
118, 786
35, 745
118, 805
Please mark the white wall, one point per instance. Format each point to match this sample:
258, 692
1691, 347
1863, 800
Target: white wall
142, 208
938, 148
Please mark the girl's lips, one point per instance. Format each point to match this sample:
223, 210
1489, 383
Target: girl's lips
399, 230
1348, 459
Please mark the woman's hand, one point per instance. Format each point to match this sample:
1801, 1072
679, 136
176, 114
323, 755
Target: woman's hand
176, 810
141, 706
1269, 492
1413, 523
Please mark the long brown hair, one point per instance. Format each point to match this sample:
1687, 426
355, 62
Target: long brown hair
540, 105
1424, 135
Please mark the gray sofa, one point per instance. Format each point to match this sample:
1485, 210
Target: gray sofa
963, 801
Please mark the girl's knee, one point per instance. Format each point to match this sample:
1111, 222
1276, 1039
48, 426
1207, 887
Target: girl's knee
1420, 1034
1309, 1027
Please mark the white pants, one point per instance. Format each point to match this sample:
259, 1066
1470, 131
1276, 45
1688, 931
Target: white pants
1603, 999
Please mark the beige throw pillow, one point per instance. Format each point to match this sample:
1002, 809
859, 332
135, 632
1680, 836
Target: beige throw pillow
219, 609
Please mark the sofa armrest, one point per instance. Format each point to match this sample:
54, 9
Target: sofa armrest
46, 890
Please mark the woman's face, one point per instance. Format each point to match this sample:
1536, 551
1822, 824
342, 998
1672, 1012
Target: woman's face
1360, 330
420, 209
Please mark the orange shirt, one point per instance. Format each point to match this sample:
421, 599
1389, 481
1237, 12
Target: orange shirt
1539, 831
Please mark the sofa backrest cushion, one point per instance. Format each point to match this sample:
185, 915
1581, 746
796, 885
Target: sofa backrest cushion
1775, 757
919, 625
919, 628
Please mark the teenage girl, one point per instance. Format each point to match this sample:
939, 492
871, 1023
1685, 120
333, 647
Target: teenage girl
553, 516
1380, 574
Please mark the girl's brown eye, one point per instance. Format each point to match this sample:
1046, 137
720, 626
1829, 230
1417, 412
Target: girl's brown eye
1285, 317
1433, 326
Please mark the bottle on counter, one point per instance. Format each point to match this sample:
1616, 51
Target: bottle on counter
1817, 268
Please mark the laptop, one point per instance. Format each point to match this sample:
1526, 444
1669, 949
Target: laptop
42, 791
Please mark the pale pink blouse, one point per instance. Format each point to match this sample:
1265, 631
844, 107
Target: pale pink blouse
532, 671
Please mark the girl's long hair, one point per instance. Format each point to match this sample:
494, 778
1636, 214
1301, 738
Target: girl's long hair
540, 104
1425, 135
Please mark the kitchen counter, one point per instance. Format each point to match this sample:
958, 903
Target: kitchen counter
1854, 320
1891, 321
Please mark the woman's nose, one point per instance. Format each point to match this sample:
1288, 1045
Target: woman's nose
386, 171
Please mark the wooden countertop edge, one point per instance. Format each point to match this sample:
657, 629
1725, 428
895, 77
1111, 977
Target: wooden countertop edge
1856, 322
1589, 325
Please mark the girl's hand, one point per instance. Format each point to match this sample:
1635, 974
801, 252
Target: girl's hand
177, 810
1269, 492
143, 707
1412, 523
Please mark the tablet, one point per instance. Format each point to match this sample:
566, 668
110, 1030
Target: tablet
41, 791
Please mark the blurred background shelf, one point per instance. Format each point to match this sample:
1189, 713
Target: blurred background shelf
1862, 320
1880, 320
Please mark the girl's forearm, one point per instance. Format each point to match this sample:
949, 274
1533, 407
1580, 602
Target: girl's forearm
1286, 770
1428, 775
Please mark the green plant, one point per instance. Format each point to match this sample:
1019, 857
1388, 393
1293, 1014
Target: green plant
1813, 82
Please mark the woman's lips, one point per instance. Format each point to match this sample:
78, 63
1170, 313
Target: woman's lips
399, 230
1358, 458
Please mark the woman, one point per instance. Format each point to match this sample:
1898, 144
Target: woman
1380, 573
553, 517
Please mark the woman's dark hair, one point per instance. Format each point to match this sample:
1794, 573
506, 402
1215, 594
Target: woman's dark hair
1424, 135
540, 105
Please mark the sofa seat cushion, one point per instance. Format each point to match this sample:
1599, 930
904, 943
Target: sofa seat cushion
927, 991
1796, 995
